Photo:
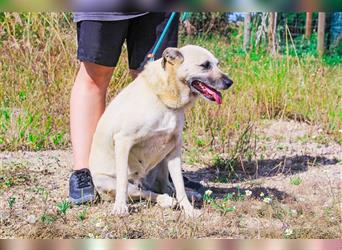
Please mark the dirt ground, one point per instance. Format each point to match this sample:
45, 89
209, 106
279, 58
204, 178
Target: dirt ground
298, 171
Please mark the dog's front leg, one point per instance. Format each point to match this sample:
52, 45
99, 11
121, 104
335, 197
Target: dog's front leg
122, 148
175, 168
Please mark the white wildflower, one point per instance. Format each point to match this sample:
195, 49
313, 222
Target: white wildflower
267, 200
208, 192
262, 194
248, 192
288, 232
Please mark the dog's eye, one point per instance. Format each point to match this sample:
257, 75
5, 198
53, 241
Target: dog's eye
206, 65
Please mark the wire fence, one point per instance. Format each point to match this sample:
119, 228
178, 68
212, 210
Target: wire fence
288, 24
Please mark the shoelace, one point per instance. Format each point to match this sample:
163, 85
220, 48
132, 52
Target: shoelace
83, 179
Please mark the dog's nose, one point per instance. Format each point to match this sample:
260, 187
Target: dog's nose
227, 82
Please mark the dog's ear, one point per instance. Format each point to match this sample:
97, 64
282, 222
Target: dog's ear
172, 56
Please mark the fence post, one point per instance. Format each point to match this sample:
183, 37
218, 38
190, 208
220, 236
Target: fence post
321, 33
272, 32
308, 25
247, 31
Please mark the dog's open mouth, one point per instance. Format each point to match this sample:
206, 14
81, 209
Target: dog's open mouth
208, 92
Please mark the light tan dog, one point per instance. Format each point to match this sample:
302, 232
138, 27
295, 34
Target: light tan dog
141, 129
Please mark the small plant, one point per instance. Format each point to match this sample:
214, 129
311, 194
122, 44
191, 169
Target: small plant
82, 215
207, 196
200, 142
235, 196
267, 200
57, 139
220, 205
63, 208
9, 182
47, 219
240, 196
288, 233
11, 201
229, 197
22, 95
296, 180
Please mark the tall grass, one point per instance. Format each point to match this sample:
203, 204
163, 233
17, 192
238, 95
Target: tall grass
38, 65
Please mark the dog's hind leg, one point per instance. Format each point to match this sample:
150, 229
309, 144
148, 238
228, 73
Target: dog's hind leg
163, 200
157, 180
106, 187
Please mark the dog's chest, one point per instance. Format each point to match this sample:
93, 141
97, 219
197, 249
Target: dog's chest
155, 145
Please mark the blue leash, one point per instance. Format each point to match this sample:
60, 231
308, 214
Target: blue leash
161, 38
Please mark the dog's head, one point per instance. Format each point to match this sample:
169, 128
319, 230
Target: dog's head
198, 69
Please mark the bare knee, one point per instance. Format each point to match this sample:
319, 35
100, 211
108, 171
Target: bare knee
95, 78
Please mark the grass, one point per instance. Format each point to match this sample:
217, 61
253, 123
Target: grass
38, 65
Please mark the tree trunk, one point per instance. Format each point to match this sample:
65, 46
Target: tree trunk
321, 32
308, 25
247, 31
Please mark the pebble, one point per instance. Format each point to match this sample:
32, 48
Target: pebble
31, 219
294, 212
4, 216
99, 224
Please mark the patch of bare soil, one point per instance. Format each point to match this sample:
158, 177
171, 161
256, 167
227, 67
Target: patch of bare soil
292, 191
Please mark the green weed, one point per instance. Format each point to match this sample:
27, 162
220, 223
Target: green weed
82, 215
11, 201
296, 180
47, 219
62, 209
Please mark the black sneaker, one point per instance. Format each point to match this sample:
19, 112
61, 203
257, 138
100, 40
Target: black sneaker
81, 187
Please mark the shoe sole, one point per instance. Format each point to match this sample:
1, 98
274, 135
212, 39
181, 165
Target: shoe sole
84, 199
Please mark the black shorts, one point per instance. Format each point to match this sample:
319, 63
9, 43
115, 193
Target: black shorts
100, 42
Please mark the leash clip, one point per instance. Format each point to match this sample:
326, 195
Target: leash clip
162, 36
150, 57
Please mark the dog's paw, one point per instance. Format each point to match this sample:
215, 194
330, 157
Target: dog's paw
166, 201
120, 210
193, 213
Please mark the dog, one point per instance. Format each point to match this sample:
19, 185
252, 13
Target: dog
138, 139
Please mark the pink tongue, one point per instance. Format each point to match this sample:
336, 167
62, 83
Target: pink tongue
217, 97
